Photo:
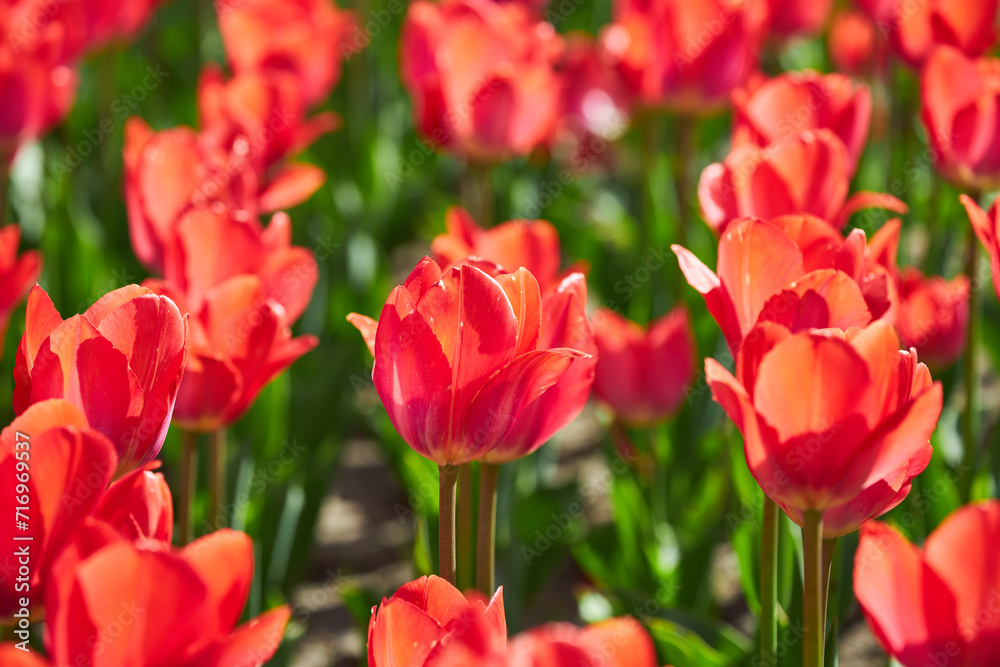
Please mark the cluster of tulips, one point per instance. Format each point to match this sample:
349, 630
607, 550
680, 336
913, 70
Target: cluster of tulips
486, 350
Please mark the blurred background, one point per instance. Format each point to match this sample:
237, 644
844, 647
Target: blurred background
341, 510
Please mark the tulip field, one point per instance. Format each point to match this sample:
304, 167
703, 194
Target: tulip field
514, 333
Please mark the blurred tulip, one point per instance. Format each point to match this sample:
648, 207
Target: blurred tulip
938, 604
914, 29
531, 244
188, 619
414, 626
305, 38
644, 375
564, 325
959, 98
793, 269
795, 17
766, 111
852, 43
16, 274
64, 467
826, 413
481, 76
687, 56
120, 363
109, 21
933, 316
987, 228
241, 340
457, 358
596, 104
11, 656
808, 173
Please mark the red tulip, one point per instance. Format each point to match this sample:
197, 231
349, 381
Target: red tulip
766, 111
188, 619
794, 269
120, 363
643, 374
564, 325
139, 506
531, 244
114, 20
481, 76
935, 605
244, 288
987, 228
426, 616
933, 316
16, 274
808, 173
852, 43
305, 38
458, 359
959, 97
794, 17
914, 29
11, 656
688, 56
825, 413
55, 468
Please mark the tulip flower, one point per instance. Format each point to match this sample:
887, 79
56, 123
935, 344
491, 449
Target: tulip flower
475, 340
481, 76
188, 618
987, 228
958, 109
852, 43
305, 38
766, 111
12, 656
531, 244
780, 270
113, 20
937, 604
427, 615
808, 173
643, 374
57, 468
687, 56
825, 413
16, 274
915, 29
120, 363
788, 18
139, 506
933, 316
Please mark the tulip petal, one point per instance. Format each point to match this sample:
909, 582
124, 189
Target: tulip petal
367, 326
293, 185
223, 561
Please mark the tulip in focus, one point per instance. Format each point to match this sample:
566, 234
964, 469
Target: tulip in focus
826, 413
120, 363
766, 111
458, 359
939, 602
643, 374
481, 76
188, 618
987, 228
914, 29
305, 38
410, 628
686, 56
16, 274
808, 173
959, 105
933, 316
852, 43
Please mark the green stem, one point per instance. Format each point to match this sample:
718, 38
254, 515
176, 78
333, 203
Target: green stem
650, 149
466, 527
971, 370
769, 585
685, 145
812, 595
4, 189
216, 479
489, 473
447, 478
189, 474
828, 548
